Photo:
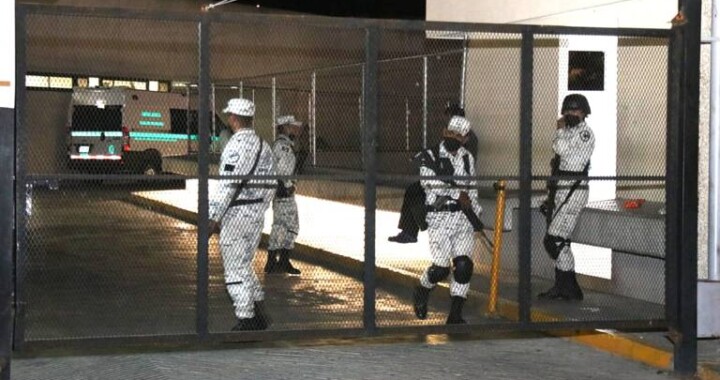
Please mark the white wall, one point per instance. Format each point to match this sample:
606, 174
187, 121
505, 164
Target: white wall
595, 13
604, 13
7, 54
628, 116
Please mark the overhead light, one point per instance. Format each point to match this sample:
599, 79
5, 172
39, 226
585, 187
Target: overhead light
219, 3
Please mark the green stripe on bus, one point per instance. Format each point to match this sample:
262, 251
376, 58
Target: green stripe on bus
147, 123
142, 136
151, 114
167, 137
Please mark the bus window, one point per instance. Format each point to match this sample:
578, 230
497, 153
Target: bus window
92, 118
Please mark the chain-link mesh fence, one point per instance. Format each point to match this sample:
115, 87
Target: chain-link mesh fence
91, 263
114, 178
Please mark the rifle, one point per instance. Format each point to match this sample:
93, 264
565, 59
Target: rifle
474, 220
547, 208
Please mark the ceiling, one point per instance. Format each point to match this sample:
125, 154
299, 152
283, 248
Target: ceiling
398, 9
163, 49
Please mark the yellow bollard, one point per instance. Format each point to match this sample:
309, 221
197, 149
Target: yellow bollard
497, 244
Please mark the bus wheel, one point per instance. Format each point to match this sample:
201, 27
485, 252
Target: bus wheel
150, 170
153, 162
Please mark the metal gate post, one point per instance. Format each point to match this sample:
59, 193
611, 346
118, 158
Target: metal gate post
370, 168
525, 228
201, 322
425, 102
682, 191
7, 203
274, 108
463, 74
21, 189
313, 126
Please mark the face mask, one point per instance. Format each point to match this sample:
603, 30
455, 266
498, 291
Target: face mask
572, 120
451, 144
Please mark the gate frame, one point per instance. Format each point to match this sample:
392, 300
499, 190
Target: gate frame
681, 176
682, 186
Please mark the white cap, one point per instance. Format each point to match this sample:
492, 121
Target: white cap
459, 124
288, 119
240, 107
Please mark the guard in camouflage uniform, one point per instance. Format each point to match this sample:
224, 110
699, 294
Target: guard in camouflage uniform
237, 211
573, 146
285, 212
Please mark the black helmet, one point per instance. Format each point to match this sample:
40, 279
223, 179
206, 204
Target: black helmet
575, 102
454, 109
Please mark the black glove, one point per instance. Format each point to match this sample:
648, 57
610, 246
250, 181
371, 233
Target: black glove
284, 192
213, 228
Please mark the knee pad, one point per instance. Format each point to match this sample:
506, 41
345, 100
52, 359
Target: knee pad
463, 269
437, 273
554, 245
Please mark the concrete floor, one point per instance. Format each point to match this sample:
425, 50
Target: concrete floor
98, 266
412, 358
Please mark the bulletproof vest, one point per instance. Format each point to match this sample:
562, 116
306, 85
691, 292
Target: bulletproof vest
442, 166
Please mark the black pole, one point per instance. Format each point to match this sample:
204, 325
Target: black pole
370, 117
524, 229
7, 210
21, 187
672, 173
7, 203
203, 173
682, 197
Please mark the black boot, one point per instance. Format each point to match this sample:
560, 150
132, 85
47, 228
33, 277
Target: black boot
572, 291
455, 316
271, 264
259, 321
261, 313
566, 287
554, 291
250, 324
420, 301
284, 264
403, 237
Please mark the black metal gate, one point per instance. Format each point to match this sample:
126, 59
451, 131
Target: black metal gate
107, 253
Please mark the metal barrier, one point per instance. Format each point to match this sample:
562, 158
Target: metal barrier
93, 266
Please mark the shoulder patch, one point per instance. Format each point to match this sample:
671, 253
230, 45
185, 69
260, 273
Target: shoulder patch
229, 168
585, 136
233, 157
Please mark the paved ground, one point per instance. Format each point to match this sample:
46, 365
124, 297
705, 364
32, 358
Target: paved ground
97, 266
434, 358
133, 272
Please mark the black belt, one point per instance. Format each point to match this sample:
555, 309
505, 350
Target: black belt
241, 202
571, 173
578, 187
450, 207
